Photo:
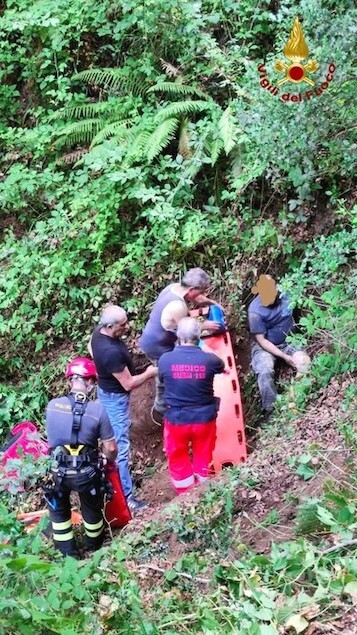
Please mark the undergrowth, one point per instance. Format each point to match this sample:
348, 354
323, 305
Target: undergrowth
217, 586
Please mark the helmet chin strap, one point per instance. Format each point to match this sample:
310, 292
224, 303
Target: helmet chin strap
88, 387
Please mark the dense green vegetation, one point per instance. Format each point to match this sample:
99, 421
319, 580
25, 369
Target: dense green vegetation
136, 141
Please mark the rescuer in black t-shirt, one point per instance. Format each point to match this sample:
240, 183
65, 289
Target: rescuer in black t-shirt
116, 379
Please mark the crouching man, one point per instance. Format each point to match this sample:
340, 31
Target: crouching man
270, 322
191, 410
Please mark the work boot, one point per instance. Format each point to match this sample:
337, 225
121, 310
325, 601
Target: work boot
156, 416
134, 504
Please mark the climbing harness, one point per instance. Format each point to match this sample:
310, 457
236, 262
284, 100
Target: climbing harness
74, 458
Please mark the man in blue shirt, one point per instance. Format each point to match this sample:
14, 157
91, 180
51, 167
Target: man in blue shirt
191, 409
270, 322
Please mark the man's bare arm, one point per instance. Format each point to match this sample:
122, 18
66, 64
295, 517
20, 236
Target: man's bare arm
203, 299
172, 314
129, 381
274, 350
89, 347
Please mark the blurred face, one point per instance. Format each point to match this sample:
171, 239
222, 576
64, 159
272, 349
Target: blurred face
268, 293
267, 290
119, 328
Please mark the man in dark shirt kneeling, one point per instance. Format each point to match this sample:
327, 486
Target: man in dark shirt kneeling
191, 408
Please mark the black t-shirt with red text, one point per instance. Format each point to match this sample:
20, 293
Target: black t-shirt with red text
187, 373
110, 356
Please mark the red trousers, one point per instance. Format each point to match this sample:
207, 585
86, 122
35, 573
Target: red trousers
179, 440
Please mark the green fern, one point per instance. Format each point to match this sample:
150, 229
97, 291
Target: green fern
89, 110
227, 130
98, 76
78, 132
178, 108
184, 140
177, 88
138, 146
159, 139
308, 521
216, 147
111, 80
117, 129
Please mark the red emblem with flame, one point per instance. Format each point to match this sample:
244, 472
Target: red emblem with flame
296, 50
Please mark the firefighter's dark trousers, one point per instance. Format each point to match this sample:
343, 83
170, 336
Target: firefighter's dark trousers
91, 499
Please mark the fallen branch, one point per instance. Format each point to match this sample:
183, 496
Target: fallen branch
183, 575
340, 545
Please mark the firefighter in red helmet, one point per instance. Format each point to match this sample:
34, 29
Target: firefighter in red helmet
75, 426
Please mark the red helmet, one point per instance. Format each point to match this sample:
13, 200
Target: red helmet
82, 366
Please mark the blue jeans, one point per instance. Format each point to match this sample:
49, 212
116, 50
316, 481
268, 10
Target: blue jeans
117, 407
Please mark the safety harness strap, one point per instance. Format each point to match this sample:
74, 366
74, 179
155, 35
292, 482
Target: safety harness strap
74, 455
63, 457
78, 410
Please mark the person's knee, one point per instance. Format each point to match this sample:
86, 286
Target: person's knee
263, 364
266, 374
302, 361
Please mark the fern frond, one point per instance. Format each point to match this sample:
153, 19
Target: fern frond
307, 520
184, 140
88, 110
177, 88
178, 108
159, 139
98, 76
71, 157
115, 129
170, 70
78, 132
227, 130
112, 80
216, 148
139, 145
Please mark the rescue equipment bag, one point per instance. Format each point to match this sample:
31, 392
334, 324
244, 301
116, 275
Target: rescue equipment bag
24, 439
116, 512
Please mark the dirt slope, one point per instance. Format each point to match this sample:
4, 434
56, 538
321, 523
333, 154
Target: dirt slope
274, 461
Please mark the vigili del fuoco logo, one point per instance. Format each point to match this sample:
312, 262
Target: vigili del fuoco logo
295, 71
